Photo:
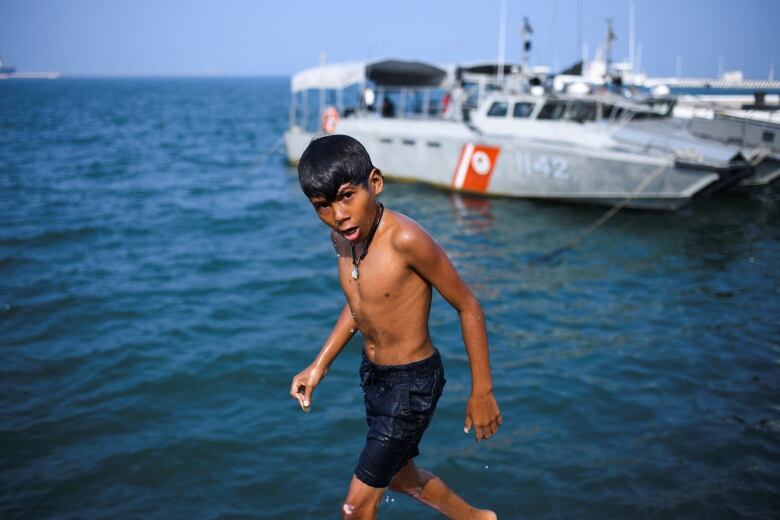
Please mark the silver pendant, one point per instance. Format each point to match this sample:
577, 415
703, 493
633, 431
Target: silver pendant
355, 273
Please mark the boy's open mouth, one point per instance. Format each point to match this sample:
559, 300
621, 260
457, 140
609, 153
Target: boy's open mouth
350, 234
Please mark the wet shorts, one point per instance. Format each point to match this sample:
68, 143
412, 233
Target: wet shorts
400, 401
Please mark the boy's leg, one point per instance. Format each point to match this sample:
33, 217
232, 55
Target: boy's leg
362, 501
432, 491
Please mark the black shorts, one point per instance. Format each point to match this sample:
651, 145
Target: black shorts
400, 401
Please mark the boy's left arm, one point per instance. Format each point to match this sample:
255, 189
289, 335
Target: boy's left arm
430, 261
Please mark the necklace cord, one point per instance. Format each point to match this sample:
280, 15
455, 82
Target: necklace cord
371, 234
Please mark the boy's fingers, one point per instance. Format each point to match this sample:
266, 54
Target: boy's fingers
297, 391
467, 425
297, 396
307, 396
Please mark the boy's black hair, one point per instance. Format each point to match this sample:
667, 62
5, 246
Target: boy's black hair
330, 161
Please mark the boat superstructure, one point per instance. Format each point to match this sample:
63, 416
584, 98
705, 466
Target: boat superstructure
570, 148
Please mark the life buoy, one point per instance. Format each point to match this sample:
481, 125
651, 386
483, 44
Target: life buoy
330, 117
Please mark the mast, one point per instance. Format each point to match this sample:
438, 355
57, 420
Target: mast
611, 37
579, 28
631, 35
526, 31
501, 41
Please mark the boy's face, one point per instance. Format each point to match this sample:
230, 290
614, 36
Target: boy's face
352, 212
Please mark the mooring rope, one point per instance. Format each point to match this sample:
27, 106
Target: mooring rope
266, 154
603, 218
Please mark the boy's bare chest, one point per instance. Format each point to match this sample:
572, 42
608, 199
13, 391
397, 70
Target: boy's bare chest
379, 279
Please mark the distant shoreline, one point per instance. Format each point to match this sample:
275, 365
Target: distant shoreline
60, 75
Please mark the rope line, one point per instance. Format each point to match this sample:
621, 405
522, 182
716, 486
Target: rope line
606, 216
266, 154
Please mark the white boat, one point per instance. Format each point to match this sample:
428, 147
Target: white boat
756, 132
563, 148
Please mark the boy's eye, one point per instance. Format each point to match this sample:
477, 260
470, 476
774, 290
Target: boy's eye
347, 194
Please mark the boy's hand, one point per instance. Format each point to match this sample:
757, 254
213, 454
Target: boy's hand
304, 383
482, 412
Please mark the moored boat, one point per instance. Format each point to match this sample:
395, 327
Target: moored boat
563, 148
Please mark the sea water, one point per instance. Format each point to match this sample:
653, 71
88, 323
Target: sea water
162, 279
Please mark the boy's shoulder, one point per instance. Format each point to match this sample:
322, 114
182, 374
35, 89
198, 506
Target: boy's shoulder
406, 233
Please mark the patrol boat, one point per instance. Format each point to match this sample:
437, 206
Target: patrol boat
562, 148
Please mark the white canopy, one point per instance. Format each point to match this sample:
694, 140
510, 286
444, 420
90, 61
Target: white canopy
387, 73
333, 76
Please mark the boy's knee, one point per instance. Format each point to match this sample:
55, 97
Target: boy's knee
353, 509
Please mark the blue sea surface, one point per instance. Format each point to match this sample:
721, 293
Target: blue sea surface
162, 278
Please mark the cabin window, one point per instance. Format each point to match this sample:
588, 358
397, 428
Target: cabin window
612, 112
768, 137
498, 109
552, 110
522, 110
581, 111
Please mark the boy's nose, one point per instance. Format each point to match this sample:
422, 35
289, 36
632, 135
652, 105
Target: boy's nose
339, 214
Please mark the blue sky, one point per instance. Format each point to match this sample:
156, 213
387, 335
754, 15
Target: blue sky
112, 37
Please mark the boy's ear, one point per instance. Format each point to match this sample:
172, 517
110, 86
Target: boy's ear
376, 181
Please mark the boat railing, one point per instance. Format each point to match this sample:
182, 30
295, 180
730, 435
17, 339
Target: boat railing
364, 101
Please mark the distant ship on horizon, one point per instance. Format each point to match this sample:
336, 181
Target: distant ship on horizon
7, 72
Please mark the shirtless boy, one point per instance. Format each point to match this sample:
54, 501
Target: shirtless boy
387, 266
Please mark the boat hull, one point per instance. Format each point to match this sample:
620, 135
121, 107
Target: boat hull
460, 159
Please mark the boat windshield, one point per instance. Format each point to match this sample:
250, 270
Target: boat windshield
522, 110
498, 109
611, 112
581, 111
553, 110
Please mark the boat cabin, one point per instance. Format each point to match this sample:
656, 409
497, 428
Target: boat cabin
609, 109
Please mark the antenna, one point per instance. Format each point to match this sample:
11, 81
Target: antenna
501, 41
526, 31
579, 27
611, 37
631, 34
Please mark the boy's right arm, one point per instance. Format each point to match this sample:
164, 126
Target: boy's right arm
304, 383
